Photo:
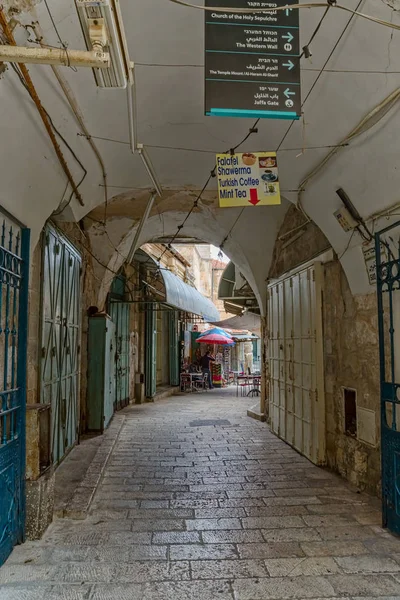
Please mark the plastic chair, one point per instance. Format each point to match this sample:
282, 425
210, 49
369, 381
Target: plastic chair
186, 383
245, 383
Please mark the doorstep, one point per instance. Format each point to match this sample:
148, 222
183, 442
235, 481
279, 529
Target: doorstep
254, 413
164, 393
89, 460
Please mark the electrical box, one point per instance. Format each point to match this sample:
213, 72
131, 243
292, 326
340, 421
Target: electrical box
101, 380
345, 220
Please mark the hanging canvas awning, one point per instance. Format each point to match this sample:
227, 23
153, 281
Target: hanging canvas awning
236, 293
179, 294
185, 297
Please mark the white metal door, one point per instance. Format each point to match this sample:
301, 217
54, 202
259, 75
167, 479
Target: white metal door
297, 402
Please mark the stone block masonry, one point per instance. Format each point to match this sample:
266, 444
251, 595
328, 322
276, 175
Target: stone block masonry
188, 509
351, 360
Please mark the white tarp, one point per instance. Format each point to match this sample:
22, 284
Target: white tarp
247, 322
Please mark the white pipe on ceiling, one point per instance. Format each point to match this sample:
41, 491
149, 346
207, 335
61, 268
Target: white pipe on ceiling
54, 56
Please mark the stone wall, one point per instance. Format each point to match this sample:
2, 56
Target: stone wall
296, 243
351, 361
350, 354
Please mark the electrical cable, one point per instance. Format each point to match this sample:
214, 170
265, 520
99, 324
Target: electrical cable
180, 227
63, 44
198, 150
369, 121
37, 30
232, 150
363, 126
221, 246
321, 71
348, 245
62, 207
306, 49
332, 4
57, 132
21, 78
36, 99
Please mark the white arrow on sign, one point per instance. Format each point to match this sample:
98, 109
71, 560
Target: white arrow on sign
289, 37
290, 65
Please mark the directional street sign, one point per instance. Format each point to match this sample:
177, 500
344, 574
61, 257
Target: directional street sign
252, 65
249, 178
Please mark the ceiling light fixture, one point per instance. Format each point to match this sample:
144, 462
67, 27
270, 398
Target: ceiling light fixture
103, 29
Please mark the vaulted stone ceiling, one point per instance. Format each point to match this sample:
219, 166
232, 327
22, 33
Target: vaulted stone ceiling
355, 65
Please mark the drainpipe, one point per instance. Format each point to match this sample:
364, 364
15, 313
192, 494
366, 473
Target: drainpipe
141, 225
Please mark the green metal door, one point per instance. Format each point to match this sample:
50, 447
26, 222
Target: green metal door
119, 313
151, 352
60, 343
173, 348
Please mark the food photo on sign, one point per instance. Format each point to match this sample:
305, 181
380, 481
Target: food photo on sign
248, 178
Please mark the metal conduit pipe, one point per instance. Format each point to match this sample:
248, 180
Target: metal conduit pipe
32, 91
366, 123
53, 56
131, 100
141, 225
74, 107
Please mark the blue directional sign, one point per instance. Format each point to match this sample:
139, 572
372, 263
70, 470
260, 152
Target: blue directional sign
252, 65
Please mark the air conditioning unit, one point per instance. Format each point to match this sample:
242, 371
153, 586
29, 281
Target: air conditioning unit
103, 30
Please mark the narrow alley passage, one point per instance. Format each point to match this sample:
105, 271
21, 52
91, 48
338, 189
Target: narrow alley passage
199, 501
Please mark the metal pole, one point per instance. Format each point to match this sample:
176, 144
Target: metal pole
54, 56
141, 225
131, 99
149, 168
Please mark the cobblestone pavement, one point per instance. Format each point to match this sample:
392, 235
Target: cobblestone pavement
200, 502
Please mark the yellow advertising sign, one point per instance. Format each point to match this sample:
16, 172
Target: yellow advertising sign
248, 179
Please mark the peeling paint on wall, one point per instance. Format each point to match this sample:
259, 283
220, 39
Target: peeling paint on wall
20, 5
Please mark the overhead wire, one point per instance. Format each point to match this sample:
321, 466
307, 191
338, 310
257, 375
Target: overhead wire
231, 150
198, 150
348, 245
68, 93
305, 51
264, 10
59, 134
62, 43
306, 48
57, 131
321, 71
221, 246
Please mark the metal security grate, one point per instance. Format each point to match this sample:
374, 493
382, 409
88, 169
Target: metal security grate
60, 361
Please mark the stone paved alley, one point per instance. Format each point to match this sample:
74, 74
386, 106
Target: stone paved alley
198, 501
